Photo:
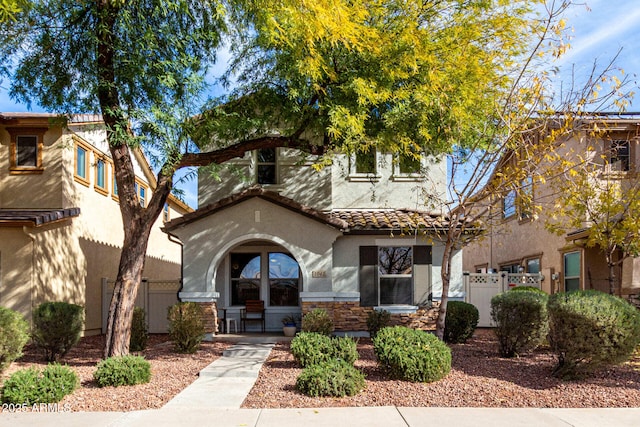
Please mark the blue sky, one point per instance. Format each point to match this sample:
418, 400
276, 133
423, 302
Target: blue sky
598, 30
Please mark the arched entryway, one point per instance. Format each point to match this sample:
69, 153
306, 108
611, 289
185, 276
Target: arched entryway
261, 270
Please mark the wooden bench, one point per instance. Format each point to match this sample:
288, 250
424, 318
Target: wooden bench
253, 312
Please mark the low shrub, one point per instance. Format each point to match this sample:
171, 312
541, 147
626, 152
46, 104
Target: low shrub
528, 289
186, 326
311, 348
122, 370
461, 321
30, 386
56, 328
376, 320
521, 321
139, 332
317, 320
331, 378
590, 330
412, 355
14, 334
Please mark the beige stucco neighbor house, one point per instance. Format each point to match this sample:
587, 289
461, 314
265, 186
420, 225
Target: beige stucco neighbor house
60, 225
521, 243
347, 239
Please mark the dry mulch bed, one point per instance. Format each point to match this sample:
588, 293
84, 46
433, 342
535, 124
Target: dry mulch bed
478, 378
171, 372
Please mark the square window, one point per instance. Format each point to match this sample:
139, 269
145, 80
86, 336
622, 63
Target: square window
408, 165
365, 162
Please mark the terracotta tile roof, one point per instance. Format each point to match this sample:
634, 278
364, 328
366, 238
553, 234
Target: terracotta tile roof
389, 219
34, 217
346, 220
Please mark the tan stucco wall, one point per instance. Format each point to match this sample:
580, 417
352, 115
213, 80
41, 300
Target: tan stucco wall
66, 261
21, 190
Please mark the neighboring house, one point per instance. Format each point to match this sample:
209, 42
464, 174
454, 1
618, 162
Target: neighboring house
60, 225
349, 238
521, 243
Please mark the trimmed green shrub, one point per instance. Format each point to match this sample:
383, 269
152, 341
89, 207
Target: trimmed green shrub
376, 320
311, 348
521, 320
139, 333
186, 326
528, 289
30, 386
122, 370
412, 355
14, 334
461, 321
317, 320
56, 328
331, 378
590, 330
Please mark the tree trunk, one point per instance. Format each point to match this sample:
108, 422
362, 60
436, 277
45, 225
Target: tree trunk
125, 292
445, 275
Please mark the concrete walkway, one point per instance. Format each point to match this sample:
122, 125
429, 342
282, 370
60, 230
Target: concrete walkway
216, 396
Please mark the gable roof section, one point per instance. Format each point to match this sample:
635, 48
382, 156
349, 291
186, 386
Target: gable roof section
349, 221
261, 193
35, 217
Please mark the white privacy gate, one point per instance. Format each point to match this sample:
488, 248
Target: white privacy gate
481, 287
154, 296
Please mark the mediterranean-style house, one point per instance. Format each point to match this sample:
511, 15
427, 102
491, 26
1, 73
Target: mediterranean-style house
348, 238
60, 225
520, 242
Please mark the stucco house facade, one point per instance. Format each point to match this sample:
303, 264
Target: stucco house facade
352, 237
60, 225
522, 243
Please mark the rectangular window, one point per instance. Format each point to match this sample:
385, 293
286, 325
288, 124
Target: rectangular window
365, 162
533, 265
165, 212
101, 176
509, 204
27, 151
82, 164
245, 277
114, 184
572, 271
395, 275
141, 191
619, 156
266, 166
408, 165
525, 201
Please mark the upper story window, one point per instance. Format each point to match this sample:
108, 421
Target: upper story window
81, 163
266, 166
509, 204
26, 150
619, 155
365, 162
101, 176
408, 165
141, 191
165, 212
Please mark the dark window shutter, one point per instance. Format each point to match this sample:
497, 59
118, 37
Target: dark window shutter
368, 276
422, 255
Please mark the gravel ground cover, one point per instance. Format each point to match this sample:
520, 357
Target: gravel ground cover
478, 378
171, 372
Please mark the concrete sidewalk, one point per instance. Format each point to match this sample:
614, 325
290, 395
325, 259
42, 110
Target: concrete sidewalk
216, 396
383, 416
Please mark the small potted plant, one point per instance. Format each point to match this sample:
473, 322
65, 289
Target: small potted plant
289, 325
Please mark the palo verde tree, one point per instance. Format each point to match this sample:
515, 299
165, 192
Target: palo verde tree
10, 8
599, 194
407, 76
517, 146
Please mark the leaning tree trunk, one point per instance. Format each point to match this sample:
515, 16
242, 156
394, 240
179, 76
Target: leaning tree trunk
125, 291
